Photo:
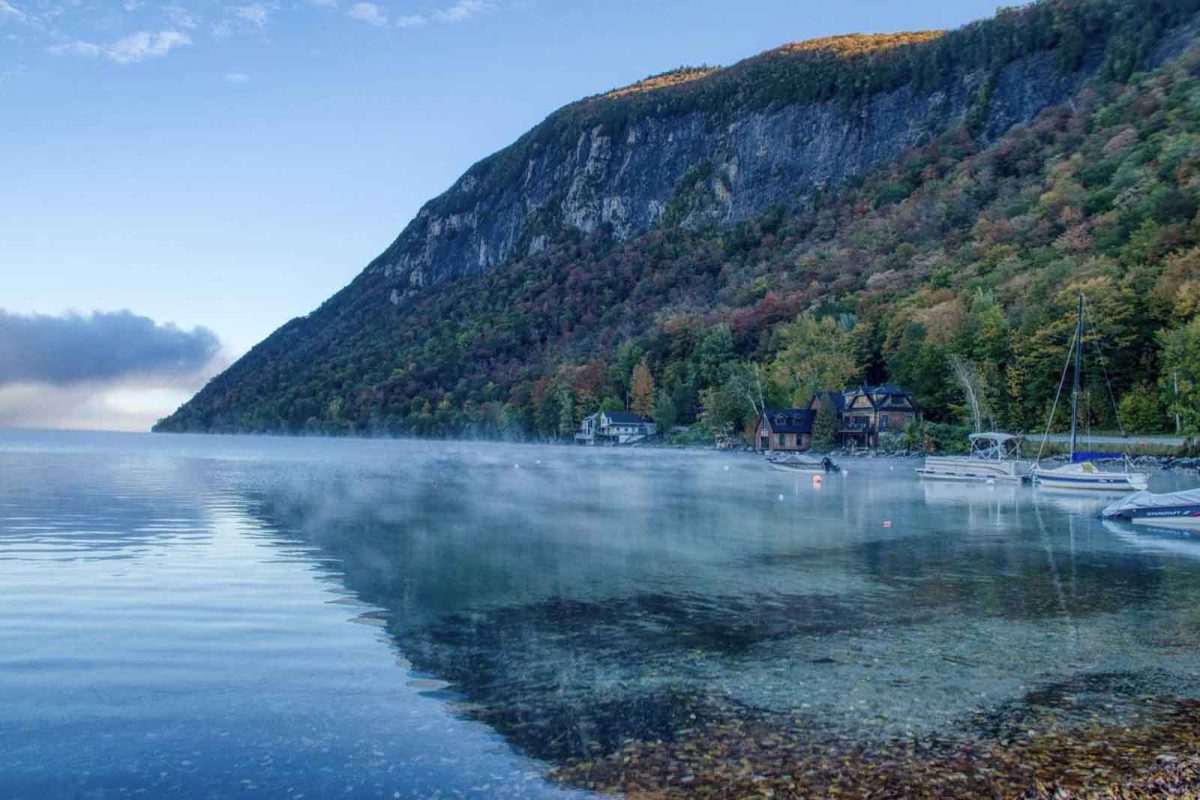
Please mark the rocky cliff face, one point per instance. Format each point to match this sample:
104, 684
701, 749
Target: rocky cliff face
693, 149
702, 167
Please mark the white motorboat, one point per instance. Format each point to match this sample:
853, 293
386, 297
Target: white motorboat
993, 457
803, 463
1173, 510
1083, 473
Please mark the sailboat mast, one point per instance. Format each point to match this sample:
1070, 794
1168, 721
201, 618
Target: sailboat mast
1078, 364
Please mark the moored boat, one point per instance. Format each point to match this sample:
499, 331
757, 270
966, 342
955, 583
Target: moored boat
801, 463
1176, 509
1087, 476
1083, 474
993, 457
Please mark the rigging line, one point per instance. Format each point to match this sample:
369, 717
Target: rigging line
1057, 396
1104, 368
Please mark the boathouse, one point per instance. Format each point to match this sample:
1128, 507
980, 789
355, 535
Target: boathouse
784, 429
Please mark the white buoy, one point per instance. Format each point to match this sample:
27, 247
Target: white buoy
781, 498
726, 468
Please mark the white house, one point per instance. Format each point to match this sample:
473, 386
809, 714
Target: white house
615, 427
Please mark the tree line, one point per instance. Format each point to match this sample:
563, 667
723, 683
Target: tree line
959, 259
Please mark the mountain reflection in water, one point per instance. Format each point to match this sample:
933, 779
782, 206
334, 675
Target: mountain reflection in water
576, 602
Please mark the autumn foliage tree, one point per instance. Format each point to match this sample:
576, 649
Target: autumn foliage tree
643, 390
816, 353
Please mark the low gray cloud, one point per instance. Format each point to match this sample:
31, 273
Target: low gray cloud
102, 347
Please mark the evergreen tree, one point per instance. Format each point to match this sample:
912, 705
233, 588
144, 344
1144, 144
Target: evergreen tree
825, 425
665, 412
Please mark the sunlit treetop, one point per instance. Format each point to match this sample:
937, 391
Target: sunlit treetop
663, 80
858, 44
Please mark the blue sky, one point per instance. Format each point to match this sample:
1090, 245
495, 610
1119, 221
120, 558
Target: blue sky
231, 164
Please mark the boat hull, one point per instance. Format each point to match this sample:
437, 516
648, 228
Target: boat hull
972, 470
817, 468
1187, 522
1087, 477
1182, 516
1090, 482
813, 468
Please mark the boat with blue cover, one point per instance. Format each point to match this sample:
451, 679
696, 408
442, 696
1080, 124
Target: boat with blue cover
1175, 510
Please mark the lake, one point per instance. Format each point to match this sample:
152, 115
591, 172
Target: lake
258, 617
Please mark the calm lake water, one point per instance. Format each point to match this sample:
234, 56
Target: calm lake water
248, 617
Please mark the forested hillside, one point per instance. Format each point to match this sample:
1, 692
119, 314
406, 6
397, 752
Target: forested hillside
961, 256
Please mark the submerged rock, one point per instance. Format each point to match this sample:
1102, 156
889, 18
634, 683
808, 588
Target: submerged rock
750, 755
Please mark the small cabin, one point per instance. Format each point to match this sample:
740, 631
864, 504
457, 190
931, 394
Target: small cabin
784, 430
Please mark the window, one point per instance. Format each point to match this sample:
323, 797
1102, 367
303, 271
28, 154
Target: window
883, 422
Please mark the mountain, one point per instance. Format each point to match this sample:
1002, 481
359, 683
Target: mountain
841, 209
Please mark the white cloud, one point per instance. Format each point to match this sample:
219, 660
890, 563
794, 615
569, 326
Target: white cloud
10, 11
368, 13
179, 17
462, 10
255, 14
129, 50
236, 77
324, 3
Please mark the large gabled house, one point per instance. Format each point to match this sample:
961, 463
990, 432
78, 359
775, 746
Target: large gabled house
784, 429
615, 427
868, 411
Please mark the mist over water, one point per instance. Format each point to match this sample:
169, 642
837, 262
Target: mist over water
210, 616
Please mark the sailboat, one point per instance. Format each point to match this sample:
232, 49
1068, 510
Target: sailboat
1082, 474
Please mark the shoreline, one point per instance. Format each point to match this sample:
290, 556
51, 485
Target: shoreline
743, 753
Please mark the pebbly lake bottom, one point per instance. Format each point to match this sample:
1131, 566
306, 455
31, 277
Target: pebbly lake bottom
213, 617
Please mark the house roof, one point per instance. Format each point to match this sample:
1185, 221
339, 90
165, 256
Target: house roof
838, 399
625, 418
886, 393
790, 420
